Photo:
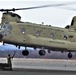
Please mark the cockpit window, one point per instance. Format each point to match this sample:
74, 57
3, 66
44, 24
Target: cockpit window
5, 29
10, 27
7, 33
4, 26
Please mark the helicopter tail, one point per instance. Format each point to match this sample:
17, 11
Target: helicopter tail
73, 23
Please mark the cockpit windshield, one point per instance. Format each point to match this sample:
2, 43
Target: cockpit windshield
5, 29
6, 26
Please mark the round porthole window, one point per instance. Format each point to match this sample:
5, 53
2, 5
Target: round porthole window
38, 33
23, 30
65, 37
52, 35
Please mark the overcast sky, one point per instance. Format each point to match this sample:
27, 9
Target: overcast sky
55, 16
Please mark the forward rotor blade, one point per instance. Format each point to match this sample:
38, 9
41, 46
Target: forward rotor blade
52, 5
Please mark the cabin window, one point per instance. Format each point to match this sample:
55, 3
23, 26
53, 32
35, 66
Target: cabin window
23, 30
65, 37
38, 33
52, 35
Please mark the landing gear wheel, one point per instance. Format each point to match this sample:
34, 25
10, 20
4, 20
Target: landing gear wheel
70, 55
25, 52
42, 52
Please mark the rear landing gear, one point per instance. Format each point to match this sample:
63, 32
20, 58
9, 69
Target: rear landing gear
42, 52
70, 55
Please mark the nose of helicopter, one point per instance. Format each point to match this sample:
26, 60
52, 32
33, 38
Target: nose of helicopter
1, 36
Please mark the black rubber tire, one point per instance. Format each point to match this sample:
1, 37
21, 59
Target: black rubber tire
70, 55
25, 52
42, 52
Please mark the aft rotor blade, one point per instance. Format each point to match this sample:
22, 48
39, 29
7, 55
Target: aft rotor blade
73, 9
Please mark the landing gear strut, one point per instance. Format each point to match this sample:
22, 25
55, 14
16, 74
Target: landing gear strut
49, 51
70, 55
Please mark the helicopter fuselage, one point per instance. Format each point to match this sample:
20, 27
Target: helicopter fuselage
38, 35
14, 31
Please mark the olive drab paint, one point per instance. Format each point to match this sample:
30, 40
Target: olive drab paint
27, 34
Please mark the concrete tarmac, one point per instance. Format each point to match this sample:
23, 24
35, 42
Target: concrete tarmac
37, 72
23, 66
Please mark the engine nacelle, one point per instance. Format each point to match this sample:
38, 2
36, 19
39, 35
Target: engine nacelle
25, 52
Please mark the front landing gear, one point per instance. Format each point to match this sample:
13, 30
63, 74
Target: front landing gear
70, 55
25, 52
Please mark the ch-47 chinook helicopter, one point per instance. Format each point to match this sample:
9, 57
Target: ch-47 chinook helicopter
14, 31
